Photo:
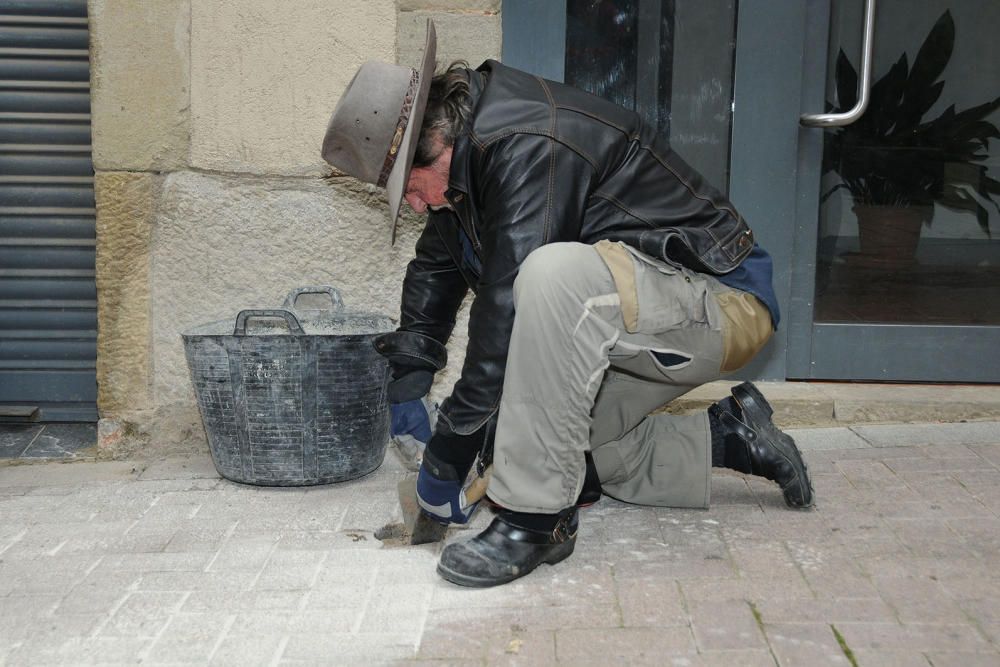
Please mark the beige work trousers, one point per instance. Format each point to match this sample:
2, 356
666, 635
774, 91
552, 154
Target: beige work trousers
602, 336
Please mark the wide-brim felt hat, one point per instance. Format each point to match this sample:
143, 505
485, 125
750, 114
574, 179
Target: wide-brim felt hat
374, 130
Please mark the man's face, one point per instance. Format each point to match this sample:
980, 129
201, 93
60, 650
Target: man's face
427, 185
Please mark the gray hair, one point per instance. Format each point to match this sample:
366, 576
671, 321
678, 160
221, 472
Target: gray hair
449, 109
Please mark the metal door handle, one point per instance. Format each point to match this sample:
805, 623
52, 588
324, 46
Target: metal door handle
864, 81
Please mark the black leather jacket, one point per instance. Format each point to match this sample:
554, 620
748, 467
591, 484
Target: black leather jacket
543, 162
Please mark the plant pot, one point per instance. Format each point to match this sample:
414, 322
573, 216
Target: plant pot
889, 235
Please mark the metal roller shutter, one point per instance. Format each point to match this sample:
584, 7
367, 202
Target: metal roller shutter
48, 298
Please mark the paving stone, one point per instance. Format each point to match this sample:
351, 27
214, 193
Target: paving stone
15, 438
989, 658
919, 600
751, 590
192, 561
99, 591
280, 623
926, 463
301, 578
80, 651
989, 452
912, 637
239, 553
188, 467
246, 651
350, 649
725, 625
58, 628
827, 439
929, 537
63, 441
189, 638
623, 646
522, 647
805, 644
290, 570
459, 642
839, 581
891, 658
243, 651
199, 538
985, 614
825, 610
739, 658
972, 433
402, 607
47, 575
142, 614
650, 602
183, 581
730, 489
60, 475
244, 601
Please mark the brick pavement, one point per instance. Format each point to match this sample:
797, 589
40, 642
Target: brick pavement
163, 562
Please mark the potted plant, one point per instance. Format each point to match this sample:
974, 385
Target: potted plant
896, 164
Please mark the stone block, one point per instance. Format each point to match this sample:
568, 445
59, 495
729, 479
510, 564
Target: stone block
911, 637
827, 438
805, 644
140, 67
622, 646
386, 647
725, 625
942, 659
484, 6
190, 638
896, 435
142, 615
242, 651
265, 78
223, 244
242, 554
125, 204
472, 36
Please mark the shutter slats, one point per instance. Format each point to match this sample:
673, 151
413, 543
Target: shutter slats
48, 296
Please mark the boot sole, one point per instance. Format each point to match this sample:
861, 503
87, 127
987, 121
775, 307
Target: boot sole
560, 553
758, 411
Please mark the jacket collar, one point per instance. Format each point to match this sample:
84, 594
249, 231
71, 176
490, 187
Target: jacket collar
458, 177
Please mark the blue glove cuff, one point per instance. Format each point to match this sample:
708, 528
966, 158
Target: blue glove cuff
410, 418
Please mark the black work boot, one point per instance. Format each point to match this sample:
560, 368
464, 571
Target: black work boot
506, 551
752, 444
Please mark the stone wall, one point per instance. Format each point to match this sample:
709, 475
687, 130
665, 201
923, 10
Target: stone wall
207, 122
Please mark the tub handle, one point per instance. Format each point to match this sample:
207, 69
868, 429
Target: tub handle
332, 292
241, 320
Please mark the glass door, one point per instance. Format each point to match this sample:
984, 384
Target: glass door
885, 232
905, 284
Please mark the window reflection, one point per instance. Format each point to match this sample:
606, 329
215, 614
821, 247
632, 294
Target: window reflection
911, 190
669, 60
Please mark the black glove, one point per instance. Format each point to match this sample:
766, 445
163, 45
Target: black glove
460, 451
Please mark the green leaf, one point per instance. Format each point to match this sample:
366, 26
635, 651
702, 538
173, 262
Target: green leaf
934, 53
847, 83
916, 103
886, 93
959, 199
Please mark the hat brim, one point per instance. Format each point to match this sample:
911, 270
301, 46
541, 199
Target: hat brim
395, 186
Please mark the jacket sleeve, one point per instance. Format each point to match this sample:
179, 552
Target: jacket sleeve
433, 287
529, 190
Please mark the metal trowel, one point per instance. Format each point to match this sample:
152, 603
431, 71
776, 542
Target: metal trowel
421, 528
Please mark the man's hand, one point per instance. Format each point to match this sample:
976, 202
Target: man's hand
411, 427
440, 492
